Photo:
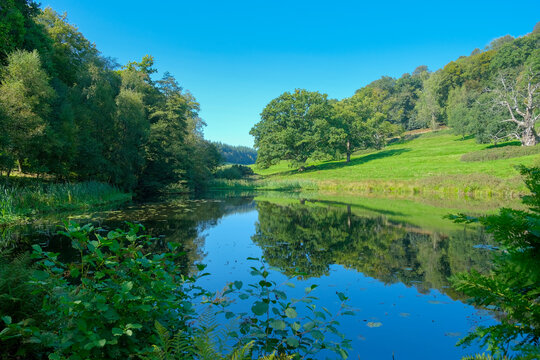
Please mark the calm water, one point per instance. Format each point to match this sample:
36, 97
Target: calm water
394, 271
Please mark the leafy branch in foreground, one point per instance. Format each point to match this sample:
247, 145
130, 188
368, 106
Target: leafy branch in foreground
277, 323
120, 295
512, 288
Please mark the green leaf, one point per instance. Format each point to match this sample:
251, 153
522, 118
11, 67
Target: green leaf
341, 296
291, 313
101, 343
292, 342
317, 335
309, 326
117, 332
278, 324
259, 308
238, 284
127, 286
6, 319
229, 315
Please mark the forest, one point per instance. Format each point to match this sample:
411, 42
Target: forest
67, 112
240, 155
491, 95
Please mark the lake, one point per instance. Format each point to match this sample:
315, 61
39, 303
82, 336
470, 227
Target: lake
391, 257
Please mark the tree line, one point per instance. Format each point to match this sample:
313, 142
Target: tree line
68, 112
241, 155
493, 94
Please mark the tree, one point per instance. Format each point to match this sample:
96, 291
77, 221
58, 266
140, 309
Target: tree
24, 104
428, 108
520, 97
362, 121
294, 127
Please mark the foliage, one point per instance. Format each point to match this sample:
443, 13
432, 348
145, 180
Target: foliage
122, 293
17, 302
68, 112
20, 200
277, 324
234, 172
293, 127
361, 122
24, 97
241, 155
105, 304
512, 287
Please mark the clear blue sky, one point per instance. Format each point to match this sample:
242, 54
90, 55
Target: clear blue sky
236, 56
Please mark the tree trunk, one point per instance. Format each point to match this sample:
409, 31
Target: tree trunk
19, 165
348, 151
349, 216
529, 137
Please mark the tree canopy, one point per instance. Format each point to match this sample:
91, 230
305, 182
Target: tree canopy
68, 112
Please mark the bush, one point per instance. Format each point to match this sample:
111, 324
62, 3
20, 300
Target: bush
104, 306
234, 172
496, 153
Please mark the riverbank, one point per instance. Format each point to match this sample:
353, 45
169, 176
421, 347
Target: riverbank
23, 199
423, 165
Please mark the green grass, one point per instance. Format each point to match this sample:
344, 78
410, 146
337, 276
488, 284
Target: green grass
424, 164
20, 200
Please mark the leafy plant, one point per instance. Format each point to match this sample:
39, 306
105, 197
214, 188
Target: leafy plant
512, 288
121, 297
275, 323
105, 304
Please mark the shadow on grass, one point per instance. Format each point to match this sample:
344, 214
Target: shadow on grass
463, 138
403, 139
510, 143
357, 161
332, 165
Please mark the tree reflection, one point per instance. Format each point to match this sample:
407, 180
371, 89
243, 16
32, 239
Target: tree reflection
302, 239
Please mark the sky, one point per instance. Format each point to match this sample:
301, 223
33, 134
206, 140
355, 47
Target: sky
236, 56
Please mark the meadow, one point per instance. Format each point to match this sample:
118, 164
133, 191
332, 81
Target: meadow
417, 164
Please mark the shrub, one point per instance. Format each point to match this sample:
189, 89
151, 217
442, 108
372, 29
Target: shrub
234, 172
104, 306
496, 153
512, 288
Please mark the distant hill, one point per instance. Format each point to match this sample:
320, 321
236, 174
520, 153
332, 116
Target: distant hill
231, 154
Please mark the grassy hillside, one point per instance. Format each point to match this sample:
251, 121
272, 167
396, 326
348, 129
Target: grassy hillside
418, 164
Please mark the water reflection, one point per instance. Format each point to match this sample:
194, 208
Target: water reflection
305, 239
394, 270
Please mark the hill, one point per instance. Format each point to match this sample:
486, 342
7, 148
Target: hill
433, 162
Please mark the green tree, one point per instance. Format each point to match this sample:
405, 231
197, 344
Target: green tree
361, 121
24, 98
294, 127
428, 108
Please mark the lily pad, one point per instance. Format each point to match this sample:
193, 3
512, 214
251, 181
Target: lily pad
374, 324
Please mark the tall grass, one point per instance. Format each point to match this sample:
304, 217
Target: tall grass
22, 200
